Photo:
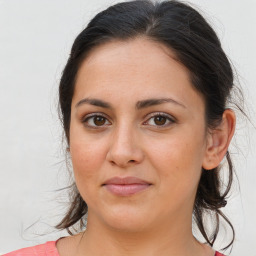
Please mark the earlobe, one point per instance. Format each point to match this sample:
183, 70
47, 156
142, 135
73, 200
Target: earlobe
218, 140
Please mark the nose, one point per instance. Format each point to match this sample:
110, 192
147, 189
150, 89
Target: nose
125, 149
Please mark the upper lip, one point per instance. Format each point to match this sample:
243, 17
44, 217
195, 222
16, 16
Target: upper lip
125, 181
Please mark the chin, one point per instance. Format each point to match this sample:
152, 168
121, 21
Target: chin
127, 219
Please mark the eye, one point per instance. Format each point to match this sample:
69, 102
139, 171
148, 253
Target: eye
160, 119
95, 120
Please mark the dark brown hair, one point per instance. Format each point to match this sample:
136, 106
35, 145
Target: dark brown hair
186, 32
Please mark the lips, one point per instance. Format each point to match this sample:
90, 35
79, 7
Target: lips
126, 186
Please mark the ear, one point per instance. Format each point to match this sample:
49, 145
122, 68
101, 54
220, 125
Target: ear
218, 140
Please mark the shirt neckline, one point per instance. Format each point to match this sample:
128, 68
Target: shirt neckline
51, 249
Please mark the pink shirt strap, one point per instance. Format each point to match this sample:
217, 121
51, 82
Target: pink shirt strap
219, 254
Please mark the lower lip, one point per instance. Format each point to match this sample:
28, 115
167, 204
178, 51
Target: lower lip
127, 189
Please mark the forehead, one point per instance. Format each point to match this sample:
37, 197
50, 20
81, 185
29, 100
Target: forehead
134, 46
134, 52
138, 68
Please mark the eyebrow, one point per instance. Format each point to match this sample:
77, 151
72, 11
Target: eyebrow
139, 105
94, 102
153, 102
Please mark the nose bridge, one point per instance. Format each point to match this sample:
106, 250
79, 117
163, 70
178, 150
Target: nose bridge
124, 146
123, 139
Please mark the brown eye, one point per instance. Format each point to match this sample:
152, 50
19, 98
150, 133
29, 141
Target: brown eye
95, 121
160, 120
99, 120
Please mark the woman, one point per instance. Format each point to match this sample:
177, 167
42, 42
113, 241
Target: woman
143, 99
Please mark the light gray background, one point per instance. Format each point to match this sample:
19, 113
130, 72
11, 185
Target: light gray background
35, 40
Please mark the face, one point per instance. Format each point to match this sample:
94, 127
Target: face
137, 136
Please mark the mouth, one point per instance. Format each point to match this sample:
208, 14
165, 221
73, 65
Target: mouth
126, 186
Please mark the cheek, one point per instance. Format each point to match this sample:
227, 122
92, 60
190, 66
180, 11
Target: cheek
87, 159
178, 161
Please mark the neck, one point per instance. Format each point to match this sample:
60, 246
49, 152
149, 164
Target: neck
174, 238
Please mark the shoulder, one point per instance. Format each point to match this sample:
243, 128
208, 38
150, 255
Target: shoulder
47, 249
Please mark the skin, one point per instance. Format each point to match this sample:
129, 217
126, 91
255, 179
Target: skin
129, 142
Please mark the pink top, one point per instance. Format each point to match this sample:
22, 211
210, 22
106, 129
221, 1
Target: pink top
47, 249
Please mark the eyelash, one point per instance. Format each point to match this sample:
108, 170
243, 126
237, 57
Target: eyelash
91, 116
168, 117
